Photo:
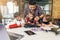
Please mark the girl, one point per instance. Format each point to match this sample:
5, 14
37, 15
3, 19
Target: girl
17, 22
47, 20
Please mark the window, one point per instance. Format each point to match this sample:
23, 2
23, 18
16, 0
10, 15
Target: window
8, 10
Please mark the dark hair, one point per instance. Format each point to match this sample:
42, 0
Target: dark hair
16, 14
32, 2
48, 15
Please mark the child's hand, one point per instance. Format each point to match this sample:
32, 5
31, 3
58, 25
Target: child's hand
28, 22
36, 18
32, 23
37, 22
43, 25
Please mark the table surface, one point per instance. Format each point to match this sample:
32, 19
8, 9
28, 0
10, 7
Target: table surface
40, 35
3, 33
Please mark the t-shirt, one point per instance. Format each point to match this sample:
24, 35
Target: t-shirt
31, 21
46, 22
40, 20
37, 12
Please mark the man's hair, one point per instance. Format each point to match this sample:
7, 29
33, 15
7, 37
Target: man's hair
32, 2
16, 14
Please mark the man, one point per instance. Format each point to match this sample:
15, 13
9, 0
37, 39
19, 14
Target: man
32, 7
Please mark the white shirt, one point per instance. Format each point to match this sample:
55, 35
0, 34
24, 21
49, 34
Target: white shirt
15, 21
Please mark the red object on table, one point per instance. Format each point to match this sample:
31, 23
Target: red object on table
13, 26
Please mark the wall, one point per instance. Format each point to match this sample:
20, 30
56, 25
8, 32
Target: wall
3, 2
56, 9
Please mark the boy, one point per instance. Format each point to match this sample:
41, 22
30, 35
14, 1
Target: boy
47, 20
17, 22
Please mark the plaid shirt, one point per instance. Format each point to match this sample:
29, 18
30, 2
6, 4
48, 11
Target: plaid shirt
37, 12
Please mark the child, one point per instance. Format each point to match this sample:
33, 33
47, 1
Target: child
37, 22
30, 18
17, 22
47, 21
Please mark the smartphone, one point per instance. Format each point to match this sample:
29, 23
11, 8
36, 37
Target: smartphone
30, 32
